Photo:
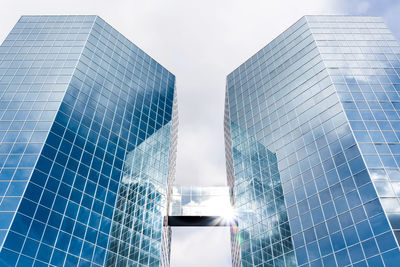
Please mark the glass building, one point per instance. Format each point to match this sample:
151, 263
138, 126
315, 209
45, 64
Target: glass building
87, 146
312, 129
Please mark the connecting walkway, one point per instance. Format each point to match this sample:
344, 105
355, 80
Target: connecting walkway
196, 221
200, 206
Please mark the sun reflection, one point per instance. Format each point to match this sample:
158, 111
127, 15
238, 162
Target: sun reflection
228, 214
204, 201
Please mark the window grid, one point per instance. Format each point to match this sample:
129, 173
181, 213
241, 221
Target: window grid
321, 111
108, 106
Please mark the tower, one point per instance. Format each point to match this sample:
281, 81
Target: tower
87, 146
312, 146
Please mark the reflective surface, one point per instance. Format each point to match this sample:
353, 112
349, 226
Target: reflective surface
264, 232
88, 112
322, 97
141, 203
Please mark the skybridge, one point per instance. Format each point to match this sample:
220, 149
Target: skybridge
200, 206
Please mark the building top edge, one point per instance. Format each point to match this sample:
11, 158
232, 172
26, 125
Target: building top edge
304, 19
88, 18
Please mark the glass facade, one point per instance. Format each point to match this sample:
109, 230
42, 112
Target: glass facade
312, 138
260, 205
87, 146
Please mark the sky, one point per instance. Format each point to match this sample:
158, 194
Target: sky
200, 42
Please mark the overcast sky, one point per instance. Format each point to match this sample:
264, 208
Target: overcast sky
200, 42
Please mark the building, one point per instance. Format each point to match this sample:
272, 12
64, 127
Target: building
312, 132
87, 146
